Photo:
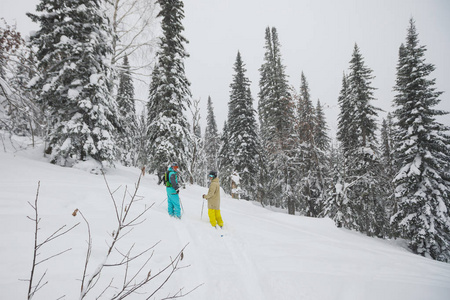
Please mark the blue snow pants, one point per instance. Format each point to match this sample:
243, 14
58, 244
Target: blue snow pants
173, 203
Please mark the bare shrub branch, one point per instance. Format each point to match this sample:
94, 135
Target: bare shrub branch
136, 274
131, 282
32, 289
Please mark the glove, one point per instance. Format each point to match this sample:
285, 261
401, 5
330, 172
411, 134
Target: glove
203, 196
178, 191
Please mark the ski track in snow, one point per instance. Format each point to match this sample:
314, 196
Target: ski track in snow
218, 254
247, 267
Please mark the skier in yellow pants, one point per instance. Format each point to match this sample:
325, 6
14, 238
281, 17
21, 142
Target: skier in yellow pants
213, 198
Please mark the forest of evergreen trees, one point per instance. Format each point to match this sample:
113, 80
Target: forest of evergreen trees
71, 86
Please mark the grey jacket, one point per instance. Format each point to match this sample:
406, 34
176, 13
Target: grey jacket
173, 179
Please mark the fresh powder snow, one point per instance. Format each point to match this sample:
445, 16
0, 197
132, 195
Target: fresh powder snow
260, 254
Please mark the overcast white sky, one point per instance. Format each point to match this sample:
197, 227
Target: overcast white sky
316, 36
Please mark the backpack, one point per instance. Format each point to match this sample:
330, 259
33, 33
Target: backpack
166, 179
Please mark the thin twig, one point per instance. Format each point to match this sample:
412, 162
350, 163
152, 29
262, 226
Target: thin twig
140, 215
174, 297
114, 202
30, 295
88, 254
128, 259
38, 285
55, 255
174, 265
55, 235
106, 288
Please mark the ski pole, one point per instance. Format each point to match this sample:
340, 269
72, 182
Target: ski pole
203, 205
182, 208
163, 201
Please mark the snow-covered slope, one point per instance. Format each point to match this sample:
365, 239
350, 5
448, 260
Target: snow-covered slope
260, 254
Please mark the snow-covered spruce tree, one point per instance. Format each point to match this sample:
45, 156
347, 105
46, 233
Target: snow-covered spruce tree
242, 135
276, 115
286, 159
321, 137
388, 170
335, 198
127, 137
141, 143
422, 182
262, 190
310, 183
357, 134
338, 203
211, 138
72, 46
225, 160
197, 161
387, 144
346, 133
322, 145
268, 193
306, 113
168, 129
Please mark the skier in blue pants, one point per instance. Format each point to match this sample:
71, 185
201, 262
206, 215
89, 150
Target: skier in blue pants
173, 188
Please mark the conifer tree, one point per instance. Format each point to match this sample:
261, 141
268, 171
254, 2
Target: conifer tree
242, 135
125, 95
306, 114
387, 143
336, 198
285, 159
276, 115
357, 134
141, 143
225, 160
422, 153
338, 202
312, 163
308, 165
73, 44
321, 137
211, 138
265, 94
127, 138
168, 129
361, 96
322, 147
388, 169
346, 133
197, 154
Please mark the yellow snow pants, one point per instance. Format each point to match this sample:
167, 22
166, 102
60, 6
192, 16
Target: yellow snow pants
215, 217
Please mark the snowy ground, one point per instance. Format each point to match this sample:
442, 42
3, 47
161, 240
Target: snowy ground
260, 254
